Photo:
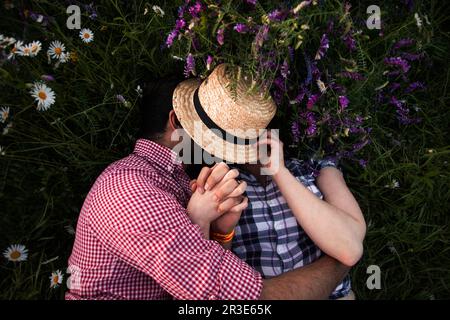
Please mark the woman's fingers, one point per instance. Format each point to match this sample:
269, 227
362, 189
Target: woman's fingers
216, 175
240, 207
229, 203
239, 190
225, 189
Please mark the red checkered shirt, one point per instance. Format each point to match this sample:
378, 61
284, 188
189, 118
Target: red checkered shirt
134, 239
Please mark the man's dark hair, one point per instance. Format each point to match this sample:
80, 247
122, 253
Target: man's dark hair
155, 105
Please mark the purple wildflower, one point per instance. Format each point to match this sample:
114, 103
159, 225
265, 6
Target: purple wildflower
189, 67
252, 2
300, 95
323, 47
285, 69
415, 86
312, 101
352, 75
277, 15
403, 112
349, 41
343, 103
180, 24
398, 62
221, 36
209, 61
171, 37
394, 86
47, 77
241, 28
195, 10
311, 128
121, 99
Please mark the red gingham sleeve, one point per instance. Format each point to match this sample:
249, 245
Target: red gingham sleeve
147, 228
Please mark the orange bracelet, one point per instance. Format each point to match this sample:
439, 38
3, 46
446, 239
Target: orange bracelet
222, 237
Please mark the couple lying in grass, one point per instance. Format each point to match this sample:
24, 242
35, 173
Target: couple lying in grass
252, 230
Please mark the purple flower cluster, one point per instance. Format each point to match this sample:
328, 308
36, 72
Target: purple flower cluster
241, 28
403, 112
323, 47
278, 15
352, 75
189, 67
398, 62
221, 36
349, 41
311, 123
343, 103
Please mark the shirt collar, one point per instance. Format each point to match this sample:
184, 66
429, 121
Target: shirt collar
157, 154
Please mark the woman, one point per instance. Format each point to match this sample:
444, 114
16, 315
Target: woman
293, 217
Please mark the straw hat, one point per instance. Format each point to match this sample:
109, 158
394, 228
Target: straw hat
223, 121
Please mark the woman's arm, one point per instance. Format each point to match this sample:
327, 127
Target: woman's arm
336, 226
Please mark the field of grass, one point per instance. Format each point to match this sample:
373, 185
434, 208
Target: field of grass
49, 159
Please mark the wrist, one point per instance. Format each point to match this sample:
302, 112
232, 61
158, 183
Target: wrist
282, 171
205, 230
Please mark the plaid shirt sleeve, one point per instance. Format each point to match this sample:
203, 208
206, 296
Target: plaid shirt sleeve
148, 229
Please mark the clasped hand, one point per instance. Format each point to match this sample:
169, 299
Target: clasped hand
217, 200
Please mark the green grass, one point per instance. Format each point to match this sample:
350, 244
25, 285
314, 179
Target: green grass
52, 158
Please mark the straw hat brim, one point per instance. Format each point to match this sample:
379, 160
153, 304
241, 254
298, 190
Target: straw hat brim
208, 140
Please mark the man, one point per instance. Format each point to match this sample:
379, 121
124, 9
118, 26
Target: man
142, 234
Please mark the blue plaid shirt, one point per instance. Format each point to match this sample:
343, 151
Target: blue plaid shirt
268, 236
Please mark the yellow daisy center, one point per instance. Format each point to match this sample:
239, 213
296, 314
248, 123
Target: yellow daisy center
55, 279
34, 48
58, 51
42, 95
15, 255
86, 35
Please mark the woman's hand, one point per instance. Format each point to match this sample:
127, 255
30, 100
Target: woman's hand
272, 160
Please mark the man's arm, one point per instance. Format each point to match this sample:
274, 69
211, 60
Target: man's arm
312, 282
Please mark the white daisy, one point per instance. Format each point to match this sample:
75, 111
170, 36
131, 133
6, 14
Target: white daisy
4, 114
56, 279
65, 56
158, 11
36, 46
56, 49
86, 35
43, 94
321, 85
23, 50
16, 253
2, 152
